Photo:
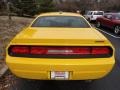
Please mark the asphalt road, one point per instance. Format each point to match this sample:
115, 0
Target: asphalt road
110, 82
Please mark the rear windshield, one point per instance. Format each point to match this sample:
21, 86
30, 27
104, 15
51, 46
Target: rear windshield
61, 21
89, 13
98, 13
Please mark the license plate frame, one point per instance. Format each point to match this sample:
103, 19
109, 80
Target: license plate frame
59, 75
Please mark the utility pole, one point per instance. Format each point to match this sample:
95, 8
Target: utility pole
98, 1
9, 10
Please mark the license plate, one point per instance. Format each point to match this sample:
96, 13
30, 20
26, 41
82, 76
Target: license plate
59, 75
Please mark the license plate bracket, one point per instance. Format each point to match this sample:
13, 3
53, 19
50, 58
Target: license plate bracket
59, 75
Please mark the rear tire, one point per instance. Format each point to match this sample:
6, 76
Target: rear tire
89, 20
117, 29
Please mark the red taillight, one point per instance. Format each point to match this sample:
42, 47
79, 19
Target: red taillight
20, 50
38, 50
60, 51
100, 50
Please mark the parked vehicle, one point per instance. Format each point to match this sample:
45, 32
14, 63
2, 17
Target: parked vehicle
60, 46
110, 20
93, 15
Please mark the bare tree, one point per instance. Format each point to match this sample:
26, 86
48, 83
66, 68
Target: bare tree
71, 5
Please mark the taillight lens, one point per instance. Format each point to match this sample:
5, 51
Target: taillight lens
100, 50
60, 51
38, 50
20, 50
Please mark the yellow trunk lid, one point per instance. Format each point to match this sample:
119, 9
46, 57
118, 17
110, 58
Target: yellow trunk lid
60, 36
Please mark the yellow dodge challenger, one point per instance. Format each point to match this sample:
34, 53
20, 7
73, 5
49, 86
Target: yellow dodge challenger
60, 46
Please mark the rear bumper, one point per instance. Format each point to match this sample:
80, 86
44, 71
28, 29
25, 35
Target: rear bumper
95, 18
83, 69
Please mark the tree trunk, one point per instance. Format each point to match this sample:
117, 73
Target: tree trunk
9, 11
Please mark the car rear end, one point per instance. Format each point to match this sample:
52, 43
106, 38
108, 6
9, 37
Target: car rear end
79, 62
60, 54
97, 14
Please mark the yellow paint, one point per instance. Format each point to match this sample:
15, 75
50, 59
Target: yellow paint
79, 69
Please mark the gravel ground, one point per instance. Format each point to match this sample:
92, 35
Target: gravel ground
7, 81
8, 30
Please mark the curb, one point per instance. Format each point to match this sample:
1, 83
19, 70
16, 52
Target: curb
3, 70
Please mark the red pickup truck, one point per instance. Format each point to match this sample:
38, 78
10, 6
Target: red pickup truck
110, 20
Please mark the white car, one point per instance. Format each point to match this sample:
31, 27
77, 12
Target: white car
93, 15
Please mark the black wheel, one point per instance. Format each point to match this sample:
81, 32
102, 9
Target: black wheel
89, 20
98, 24
117, 29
